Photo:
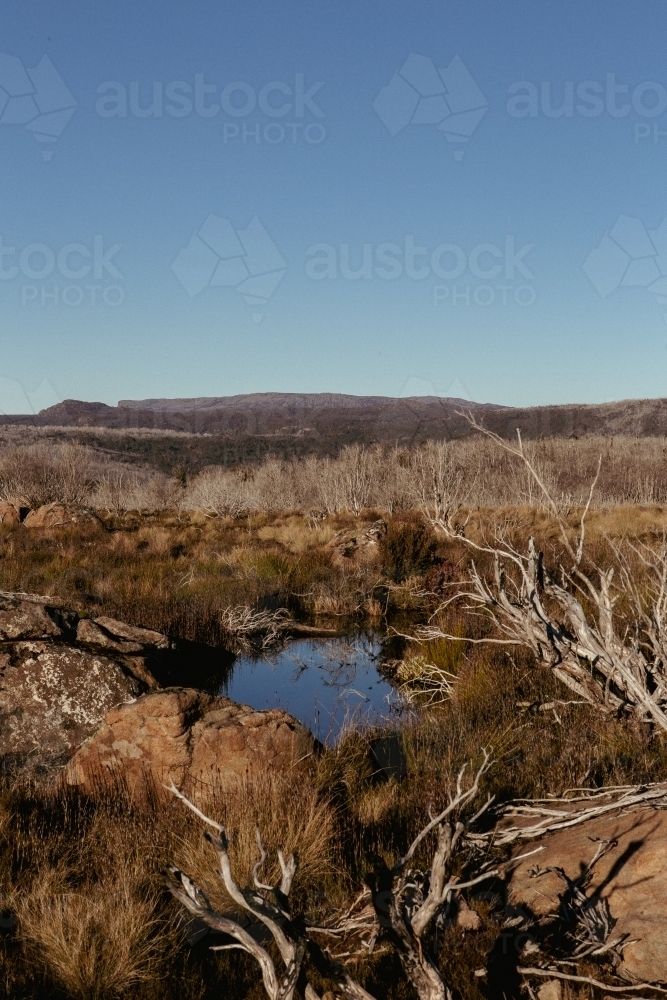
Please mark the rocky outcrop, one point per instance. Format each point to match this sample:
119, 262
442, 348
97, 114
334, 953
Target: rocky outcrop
357, 544
191, 738
53, 515
60, 674
632, 878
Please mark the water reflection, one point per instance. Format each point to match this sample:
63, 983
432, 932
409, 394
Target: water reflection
325, 683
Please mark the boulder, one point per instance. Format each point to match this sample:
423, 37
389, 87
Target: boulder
60, 675
632, 877
357, 544
29, 616
11, 514
53, 515
191, 738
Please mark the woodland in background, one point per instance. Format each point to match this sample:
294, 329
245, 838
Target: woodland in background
473, 472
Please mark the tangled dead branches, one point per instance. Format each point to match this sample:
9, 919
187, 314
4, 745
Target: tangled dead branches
401, 907
247, 629
567, 615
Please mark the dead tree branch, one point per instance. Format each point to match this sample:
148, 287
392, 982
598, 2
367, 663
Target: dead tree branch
400, 907
567, 615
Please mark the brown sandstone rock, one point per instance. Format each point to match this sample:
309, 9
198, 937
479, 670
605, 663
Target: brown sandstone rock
10, 514
190, 737
633, 878
53, 515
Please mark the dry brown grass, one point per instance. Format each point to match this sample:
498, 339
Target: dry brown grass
83, 876
290, 814
96, 943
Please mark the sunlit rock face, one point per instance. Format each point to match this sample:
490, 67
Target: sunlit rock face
191, 738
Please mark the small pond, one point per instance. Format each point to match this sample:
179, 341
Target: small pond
325, 683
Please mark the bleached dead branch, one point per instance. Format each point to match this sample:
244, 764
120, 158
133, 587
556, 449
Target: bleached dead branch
400, 908
247, 628
537, 817
566, 615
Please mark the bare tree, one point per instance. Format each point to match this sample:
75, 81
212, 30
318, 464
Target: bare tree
437, 484
404, 905
356, 475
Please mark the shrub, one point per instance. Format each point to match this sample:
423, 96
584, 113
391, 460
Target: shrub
406, 549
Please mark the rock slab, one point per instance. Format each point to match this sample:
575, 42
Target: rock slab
633, 878
189, 737
53, 515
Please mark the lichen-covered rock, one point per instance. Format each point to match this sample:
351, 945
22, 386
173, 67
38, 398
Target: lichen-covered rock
189, 737
29, 616
52, 696
632, 878
60, 675
53, 515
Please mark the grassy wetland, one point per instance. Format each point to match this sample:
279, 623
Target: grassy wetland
85, 909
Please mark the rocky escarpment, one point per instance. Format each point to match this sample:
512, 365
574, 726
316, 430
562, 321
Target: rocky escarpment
60, 674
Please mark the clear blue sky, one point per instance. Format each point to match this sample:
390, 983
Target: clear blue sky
344, 180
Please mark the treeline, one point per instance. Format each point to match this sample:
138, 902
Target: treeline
431, 477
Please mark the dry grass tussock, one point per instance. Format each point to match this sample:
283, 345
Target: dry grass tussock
83, 877
96, 944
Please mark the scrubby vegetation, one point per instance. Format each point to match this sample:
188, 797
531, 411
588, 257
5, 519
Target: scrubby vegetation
86, 911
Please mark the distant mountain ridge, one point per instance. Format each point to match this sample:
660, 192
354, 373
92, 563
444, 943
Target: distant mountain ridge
336, 418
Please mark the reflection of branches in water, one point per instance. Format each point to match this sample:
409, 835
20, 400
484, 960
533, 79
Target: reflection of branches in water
339, 678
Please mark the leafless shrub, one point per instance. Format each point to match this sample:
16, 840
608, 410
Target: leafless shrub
39, 474
119, 490
218, 492
438, 478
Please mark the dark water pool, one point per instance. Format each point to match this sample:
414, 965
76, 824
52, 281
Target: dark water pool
324, 683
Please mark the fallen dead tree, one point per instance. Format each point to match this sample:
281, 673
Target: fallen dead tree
567, 614
399, 909
245, 628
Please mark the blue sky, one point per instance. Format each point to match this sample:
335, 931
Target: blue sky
304, 121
